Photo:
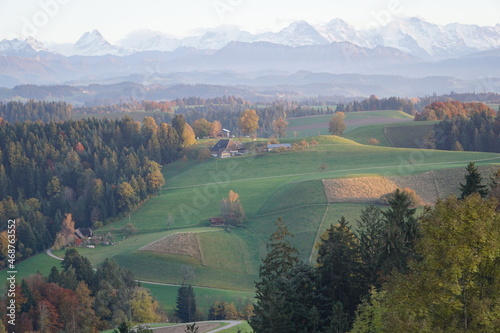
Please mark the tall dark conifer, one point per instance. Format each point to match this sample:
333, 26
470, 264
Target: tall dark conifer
473, 181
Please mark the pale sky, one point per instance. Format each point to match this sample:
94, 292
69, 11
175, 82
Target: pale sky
66, 20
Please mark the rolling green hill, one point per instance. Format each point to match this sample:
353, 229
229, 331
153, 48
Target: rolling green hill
318, 125
270, 185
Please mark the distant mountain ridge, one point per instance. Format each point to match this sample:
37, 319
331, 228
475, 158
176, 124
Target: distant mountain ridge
411, 35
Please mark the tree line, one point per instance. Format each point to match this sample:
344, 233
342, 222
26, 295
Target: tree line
94, 169
375, 103
479, 132
397, 273
35, 111
452, 109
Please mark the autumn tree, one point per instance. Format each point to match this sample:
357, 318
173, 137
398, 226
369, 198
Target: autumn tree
337, 126
215, 129
67, 234
248, 122
232, 209
473, 181
202, 127
454, 286
143, 307
279, 127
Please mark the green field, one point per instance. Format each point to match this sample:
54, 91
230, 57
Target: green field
270, 186
401, 135
318, 125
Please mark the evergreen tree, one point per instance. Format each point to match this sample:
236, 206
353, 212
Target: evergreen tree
339, 270
473, 184
185, 304
270, 315
370, 229
399, 235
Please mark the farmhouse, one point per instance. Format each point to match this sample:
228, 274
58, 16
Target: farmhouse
84, 233
227, 148
275, 146
217, 222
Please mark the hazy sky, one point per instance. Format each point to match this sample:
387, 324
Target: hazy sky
67, 20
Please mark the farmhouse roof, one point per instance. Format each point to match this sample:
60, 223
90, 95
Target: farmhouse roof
84, 233
226, 144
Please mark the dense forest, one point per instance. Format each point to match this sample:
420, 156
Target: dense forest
35, 111
480, 132
94, 169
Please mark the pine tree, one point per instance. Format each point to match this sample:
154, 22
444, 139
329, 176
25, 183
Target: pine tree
339, 269
370, 228
185, 304
399, 235
473, 183
270, 315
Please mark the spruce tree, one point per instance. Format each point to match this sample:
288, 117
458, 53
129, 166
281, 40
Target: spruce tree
399, 235
271, 313
186, 304
473, 183
339, 270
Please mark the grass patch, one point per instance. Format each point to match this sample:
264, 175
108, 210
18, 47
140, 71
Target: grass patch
243, 327
401, 135
205, 297
40, 263
409, 135
161, 267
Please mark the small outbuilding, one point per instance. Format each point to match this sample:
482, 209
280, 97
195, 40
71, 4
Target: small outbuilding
217, 221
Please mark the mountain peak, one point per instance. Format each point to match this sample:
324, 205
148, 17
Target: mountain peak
91, 37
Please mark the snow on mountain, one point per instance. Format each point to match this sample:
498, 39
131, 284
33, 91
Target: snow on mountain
412, 35
338, 30
148, 40
421, 38
28, 46
90, 44
298, 33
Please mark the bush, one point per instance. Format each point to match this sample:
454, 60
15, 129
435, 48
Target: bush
373, 141
204, 154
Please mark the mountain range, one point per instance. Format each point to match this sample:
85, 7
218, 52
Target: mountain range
464, 56
413, 35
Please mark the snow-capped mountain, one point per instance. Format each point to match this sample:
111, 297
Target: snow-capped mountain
28, 46
413, 35
298, 33
90, 44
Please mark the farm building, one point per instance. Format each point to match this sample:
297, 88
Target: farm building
276, 146
227, 148
217, 222
84, 233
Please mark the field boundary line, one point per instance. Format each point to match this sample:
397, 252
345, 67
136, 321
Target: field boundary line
318, 233
387, 137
